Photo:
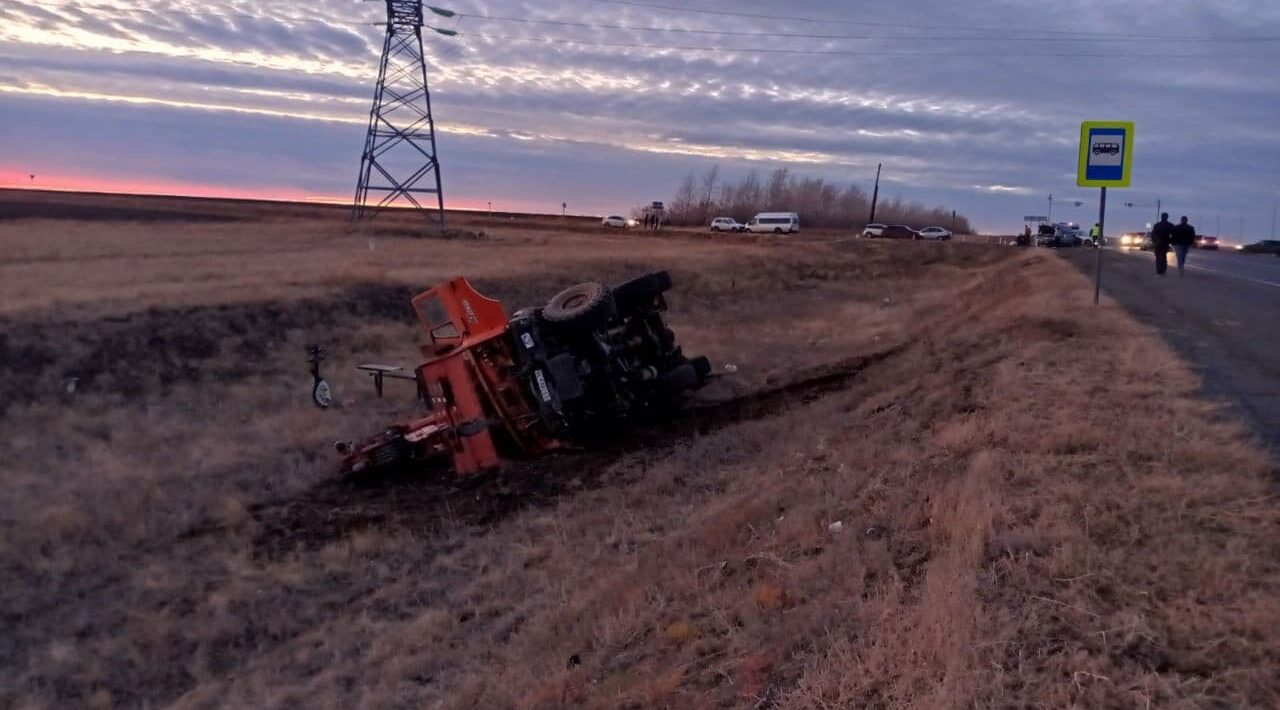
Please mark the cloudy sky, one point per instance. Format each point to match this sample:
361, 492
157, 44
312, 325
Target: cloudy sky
973, 105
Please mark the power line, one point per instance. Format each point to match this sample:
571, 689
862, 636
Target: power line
801, 35
123, 10
839, 52
119, 8
1063, 35
869, 23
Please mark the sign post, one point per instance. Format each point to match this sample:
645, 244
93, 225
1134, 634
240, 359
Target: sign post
1097, 268
1106, 157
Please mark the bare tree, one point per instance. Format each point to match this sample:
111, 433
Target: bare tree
820, 203
708, 194
747, 197
776, 192
682, 207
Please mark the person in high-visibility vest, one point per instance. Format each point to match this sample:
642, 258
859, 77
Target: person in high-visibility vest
1095, 234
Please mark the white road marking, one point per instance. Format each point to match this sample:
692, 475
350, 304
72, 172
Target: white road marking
1234, 276
1228, 274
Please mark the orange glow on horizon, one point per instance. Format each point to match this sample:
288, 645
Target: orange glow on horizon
180, 188
153, 186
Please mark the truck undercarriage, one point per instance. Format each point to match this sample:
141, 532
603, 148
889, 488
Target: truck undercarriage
591, 362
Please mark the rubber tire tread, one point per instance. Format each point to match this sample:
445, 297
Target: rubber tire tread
597, 311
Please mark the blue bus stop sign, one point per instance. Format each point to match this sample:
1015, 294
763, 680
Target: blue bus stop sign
1106, 154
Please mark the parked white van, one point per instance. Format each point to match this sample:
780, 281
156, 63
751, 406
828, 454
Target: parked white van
776, 222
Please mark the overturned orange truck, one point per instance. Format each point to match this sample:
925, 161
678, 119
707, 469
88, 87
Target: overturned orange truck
591, 362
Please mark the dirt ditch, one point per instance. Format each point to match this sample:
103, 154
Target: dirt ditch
423, 500
148, 352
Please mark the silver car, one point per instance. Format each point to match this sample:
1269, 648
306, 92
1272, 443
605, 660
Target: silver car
727, 224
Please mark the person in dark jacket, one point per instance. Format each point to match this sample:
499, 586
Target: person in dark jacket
1184, 237
1161, 237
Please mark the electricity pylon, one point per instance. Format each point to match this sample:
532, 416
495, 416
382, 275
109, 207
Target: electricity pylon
399, 162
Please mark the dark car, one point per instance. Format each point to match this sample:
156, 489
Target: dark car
1206, 242
1135, 240
1046, 236
898, 231
1051, 236
1266, 246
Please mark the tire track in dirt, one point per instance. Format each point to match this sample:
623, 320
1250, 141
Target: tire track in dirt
426, 502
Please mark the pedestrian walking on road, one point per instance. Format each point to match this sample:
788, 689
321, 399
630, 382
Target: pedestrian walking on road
1095, 235
1184, 237
1161, 238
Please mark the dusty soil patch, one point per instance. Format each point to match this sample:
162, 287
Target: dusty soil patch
337, 508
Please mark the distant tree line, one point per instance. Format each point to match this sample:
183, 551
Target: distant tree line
820, 203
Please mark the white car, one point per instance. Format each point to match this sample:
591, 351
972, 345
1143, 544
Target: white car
1070, 229
727, 224
615, 220
775, 222
874, 229
937, 233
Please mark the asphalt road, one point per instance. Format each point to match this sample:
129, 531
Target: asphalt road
1223, 315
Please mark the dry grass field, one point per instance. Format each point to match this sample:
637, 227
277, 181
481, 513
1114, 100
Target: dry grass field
935, 480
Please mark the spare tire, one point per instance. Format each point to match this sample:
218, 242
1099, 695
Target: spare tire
641, 289
586, 306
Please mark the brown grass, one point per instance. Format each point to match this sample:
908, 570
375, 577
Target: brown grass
1029, 516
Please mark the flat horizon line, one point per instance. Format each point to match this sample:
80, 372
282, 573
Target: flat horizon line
333, 203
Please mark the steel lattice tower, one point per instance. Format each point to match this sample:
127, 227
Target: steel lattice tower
399, 160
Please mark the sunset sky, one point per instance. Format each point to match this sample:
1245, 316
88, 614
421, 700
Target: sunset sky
972, 105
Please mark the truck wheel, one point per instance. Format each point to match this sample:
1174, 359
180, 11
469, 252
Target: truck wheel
322, 393
640, 290
587, 306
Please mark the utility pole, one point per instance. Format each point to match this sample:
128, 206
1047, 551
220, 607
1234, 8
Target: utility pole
1242, 227
875, 194
1049, 217
399, 161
